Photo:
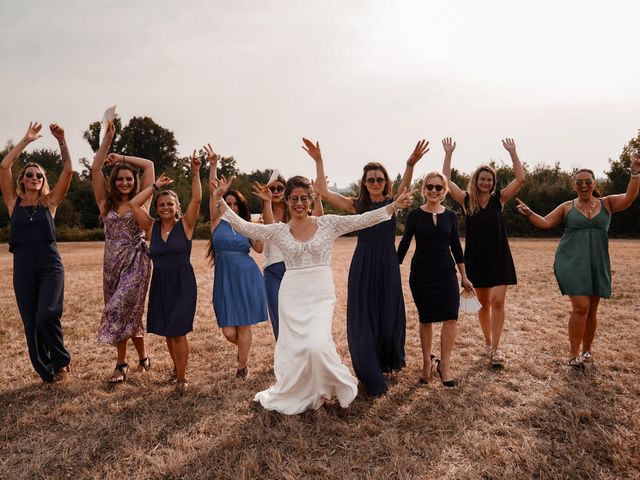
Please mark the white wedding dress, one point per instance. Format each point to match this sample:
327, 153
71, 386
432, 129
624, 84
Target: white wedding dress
307, 366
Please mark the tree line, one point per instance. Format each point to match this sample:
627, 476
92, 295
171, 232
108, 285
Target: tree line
78, 218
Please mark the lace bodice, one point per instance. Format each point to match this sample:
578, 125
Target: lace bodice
317, 250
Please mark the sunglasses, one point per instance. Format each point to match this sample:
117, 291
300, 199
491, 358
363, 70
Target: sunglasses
587, 182
276, 189
38, 175
431, 186
372, 180
295, 199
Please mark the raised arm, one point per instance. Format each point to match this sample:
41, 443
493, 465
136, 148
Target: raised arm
508, 192
191, 215
334, 198
263, 192
418, 152
64, 180
214, 212
553, 219
137, 203
97, 177
456, 192
318, 208
622, 201
7, 186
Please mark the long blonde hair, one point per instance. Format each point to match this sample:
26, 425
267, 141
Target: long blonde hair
43, 200
472, 188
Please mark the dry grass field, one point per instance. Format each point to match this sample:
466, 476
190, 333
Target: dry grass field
534, 419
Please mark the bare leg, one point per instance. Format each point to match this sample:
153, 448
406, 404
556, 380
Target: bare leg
173, 358
484, 314
591, 324
121, 348
426, 336
497, 297
180, 348
577, 322
447, 340
231, 334
244, 345
138, 342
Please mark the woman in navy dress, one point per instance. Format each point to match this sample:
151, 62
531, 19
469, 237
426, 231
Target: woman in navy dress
239, 297
487, 254
375, 305
433, 280
173, 292
38, 274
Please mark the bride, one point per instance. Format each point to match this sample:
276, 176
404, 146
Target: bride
307, 366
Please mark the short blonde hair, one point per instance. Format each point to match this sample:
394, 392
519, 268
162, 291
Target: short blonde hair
439, 175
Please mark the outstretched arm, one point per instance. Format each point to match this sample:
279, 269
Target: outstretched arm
64, 180
191, 215
553, 219
622, 201
9, 194
334, 198
97, 177
456, 192
508, 192
418, 152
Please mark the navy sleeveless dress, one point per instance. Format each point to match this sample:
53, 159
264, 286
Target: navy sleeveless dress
38, 281
375, 305
173, 292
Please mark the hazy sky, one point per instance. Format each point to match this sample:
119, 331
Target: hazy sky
366, 78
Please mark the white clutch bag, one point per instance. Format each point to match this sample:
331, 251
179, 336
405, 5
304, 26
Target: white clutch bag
469, 302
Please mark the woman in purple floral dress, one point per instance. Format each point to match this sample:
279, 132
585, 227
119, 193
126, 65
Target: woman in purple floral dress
127, 265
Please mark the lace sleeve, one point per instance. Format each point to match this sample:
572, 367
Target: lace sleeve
341, 224
256, 231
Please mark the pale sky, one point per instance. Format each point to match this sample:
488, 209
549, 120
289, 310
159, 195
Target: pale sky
366, 78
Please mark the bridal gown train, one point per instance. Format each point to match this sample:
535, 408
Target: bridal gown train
307, 366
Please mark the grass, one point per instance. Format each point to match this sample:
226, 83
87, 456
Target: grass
534, 419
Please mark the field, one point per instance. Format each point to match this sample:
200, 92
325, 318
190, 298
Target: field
534, 419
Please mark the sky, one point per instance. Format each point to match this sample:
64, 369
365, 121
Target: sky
367, 79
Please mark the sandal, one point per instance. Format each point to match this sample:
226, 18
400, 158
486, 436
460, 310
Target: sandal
587, 357
242, 373
496, 359
577, 364
425, 380
119, 373
181, 388
144, 365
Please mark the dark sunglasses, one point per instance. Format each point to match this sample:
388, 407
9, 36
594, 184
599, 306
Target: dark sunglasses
276, 189
431, 186
372, 180
587, 182
38, 175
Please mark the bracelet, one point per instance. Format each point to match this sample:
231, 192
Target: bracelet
394, 206
62, 144
218, 203
635, 175
155, 187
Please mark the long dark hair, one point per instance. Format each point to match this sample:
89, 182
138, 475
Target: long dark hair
362, 202
113, 197
243, 212
595, 193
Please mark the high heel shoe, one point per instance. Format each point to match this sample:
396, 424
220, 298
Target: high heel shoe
448, 383
425, 380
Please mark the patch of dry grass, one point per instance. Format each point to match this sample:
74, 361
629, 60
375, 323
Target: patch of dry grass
535, 419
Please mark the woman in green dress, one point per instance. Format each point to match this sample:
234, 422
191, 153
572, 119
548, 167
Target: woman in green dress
581, 265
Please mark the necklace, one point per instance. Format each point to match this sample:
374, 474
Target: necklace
34, 209
589, 209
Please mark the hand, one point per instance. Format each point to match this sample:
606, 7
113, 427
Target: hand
109, 132
405, 199
418, 152
466, 284
261, 191
448, 144
314, 195
33, 132
312, 150
219, 186
211, 155
57, 131
196, 163
163, 181
635, 162
113, 158
522, 208
509, 145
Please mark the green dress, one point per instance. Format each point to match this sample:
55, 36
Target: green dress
582, 265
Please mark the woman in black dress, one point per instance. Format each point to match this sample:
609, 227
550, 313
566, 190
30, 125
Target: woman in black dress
38, 274
375, 305
433, 280
487, 254
173, 292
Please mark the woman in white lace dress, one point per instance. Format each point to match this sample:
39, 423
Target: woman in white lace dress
307, 366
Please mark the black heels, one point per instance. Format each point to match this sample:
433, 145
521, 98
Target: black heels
448, 383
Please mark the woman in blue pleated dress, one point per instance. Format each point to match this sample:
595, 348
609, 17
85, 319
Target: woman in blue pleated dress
375, 305
239, 295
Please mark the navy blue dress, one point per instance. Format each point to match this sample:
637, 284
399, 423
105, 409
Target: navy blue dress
239, 297
173, 293
433, 279
375, 305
